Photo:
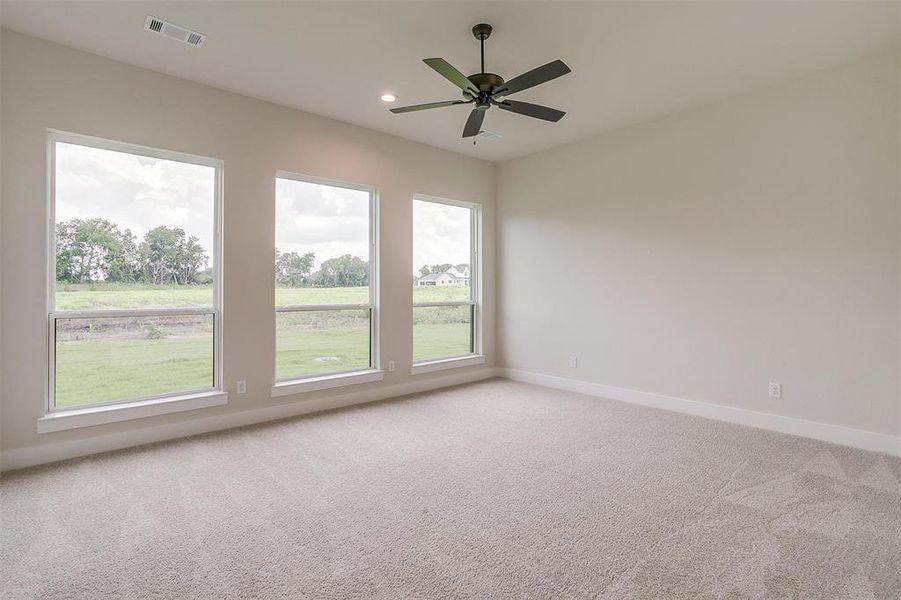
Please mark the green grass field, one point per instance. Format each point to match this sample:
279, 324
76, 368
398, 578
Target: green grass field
101, 360
112, 296
89, 371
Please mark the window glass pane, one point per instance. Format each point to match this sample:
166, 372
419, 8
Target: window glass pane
322, 244
321, 341
441, 331
441, 252
132, 231
116, 358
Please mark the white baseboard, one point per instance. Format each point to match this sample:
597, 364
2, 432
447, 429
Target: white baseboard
52, 452
55, 451
837, 434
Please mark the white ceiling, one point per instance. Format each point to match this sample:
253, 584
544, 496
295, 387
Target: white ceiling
631, 61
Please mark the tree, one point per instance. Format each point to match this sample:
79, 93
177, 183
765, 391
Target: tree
343, 271
441, 268
293, 269
426, 269
125, 264
190, 259
94, 250
168, 255
158, 254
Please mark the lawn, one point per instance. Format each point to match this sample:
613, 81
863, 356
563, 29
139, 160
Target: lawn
100, 360
110, 296
102, 370
90, 371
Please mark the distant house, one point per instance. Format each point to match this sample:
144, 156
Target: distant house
456, 275
461, 272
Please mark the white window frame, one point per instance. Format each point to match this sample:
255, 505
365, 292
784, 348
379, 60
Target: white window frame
294, 385
475, 357
95, 413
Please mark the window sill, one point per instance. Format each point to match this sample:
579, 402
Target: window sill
447, 363
324, 382
113, 413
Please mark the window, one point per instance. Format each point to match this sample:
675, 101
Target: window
445, 280
134, 303
325, 278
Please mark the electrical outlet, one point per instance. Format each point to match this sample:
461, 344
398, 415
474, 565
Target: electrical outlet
242, 386
390, 365
775, 390
573, 362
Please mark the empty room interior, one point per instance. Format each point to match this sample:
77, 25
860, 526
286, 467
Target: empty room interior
396, 299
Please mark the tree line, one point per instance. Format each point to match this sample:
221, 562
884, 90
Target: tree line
96, 250
429, 269
296, 270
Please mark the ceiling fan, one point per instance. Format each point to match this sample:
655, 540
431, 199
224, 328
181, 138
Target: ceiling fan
487, 89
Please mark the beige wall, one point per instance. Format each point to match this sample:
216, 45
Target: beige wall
705, 254
49, 86
716, 250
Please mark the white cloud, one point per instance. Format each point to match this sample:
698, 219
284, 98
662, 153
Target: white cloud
327, 221
134, 192
139, 193
441, 234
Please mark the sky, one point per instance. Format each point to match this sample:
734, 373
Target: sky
325, 220
440, 234
332, 221
135, 192
140, 193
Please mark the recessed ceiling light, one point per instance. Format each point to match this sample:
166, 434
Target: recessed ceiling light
388, 97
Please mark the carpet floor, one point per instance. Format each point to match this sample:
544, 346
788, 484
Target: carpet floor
489, 490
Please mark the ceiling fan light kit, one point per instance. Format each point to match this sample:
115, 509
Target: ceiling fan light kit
485, 90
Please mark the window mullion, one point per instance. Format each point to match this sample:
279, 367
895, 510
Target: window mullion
444, 303
319, 307
131, 312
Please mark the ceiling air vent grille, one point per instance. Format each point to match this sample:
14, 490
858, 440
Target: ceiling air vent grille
173, 31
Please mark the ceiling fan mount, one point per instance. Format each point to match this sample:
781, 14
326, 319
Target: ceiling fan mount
482, 31
489, 89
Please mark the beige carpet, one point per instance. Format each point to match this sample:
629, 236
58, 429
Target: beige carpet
490, 490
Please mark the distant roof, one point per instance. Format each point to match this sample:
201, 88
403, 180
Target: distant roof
434, 276
455, 272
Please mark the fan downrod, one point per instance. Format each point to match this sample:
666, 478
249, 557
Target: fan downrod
486, 83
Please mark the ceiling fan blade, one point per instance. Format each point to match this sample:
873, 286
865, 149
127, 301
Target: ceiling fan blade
405, 109
536, 76
474, 123
449, 72
531, 110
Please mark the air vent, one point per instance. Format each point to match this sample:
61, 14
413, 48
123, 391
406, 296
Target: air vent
173, 31
487, 135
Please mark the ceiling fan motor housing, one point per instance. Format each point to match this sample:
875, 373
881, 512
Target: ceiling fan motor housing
486, 82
